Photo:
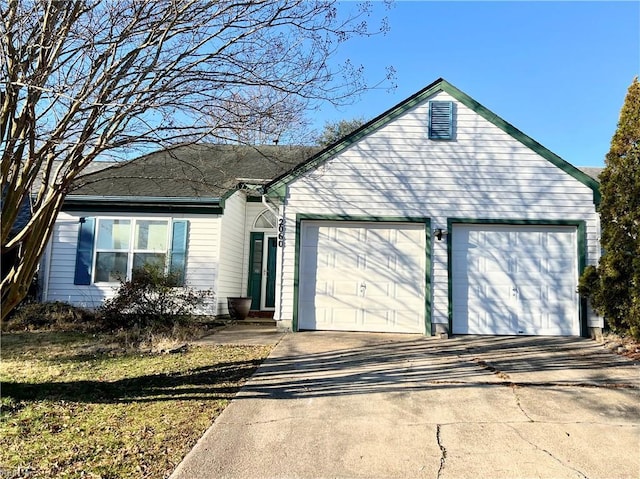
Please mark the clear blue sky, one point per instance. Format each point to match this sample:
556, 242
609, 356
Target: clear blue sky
558, 71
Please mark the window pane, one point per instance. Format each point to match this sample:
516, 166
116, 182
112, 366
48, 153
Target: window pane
266, 220
152, 259
113, 234
111, 267
151, 235
256, 267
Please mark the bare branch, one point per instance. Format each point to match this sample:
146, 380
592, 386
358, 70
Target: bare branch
85, 78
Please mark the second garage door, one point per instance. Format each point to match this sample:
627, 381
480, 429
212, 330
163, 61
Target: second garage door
513, 279
359, 276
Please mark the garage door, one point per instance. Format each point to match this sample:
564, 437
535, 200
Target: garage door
515, 280
357, 276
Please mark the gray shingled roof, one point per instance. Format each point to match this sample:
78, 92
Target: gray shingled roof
592, 172
193, 171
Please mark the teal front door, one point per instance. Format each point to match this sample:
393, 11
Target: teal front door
262, 271
270, 283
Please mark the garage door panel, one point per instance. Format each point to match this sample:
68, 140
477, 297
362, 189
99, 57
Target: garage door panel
512, 279
366, 277
497, 321
343, 289
327, 318
408, 292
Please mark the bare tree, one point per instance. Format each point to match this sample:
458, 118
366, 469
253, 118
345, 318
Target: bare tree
272, 117
85, 78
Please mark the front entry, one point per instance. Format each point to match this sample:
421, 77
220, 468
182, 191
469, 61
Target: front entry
262, 271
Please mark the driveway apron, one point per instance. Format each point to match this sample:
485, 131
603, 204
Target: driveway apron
359, 405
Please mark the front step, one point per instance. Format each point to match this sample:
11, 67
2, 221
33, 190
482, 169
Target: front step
261, 314
258, 320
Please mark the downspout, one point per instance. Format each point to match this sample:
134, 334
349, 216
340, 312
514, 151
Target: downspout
268, 206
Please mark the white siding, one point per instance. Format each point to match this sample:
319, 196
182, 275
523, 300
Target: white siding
397, 171
233, 249
59, 265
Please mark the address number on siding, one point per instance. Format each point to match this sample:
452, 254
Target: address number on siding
280, 232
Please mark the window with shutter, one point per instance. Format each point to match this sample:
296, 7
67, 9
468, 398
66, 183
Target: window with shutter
441, 120
112, 249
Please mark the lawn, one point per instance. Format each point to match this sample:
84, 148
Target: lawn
73, 407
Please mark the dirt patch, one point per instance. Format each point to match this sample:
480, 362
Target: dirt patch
624, 346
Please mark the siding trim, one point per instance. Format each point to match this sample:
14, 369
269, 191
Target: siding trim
300, 217
278, 186
581, 255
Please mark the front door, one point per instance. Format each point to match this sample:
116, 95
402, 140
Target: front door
262, 271
269, 274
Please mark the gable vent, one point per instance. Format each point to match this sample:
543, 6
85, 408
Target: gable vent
441, 120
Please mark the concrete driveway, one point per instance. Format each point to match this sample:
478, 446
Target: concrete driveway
358, 405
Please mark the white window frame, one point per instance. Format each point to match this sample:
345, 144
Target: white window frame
131, 251
263, 213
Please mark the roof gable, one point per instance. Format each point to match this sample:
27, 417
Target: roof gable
278, 185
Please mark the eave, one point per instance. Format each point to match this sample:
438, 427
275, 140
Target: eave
143, 204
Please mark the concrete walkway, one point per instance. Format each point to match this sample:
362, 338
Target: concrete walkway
244, 333
354, 405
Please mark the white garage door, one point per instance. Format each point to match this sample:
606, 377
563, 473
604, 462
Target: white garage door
358, 276
515, 280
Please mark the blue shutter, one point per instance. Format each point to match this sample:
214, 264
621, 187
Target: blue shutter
441, 120
178, 258
84, 253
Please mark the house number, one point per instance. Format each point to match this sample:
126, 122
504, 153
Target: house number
280, 232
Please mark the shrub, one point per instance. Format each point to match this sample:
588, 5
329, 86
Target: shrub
152, 300
51, 316
613, 288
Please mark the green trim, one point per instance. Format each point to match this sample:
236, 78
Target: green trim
296, 273
254, 199
427, 277
228, 194
367, 218
449, 276
581, 247
277, 187
300, 217
526, 140
582, 264
129, 208
142, 204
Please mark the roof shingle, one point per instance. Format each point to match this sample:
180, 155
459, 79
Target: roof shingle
195, 171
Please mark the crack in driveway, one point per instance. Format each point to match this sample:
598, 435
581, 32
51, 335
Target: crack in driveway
519, 404
443, 450
540, 384
550, 454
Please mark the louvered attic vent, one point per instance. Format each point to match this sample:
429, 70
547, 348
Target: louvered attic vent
441, 120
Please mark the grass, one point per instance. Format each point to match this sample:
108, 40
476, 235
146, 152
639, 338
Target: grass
74, 407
